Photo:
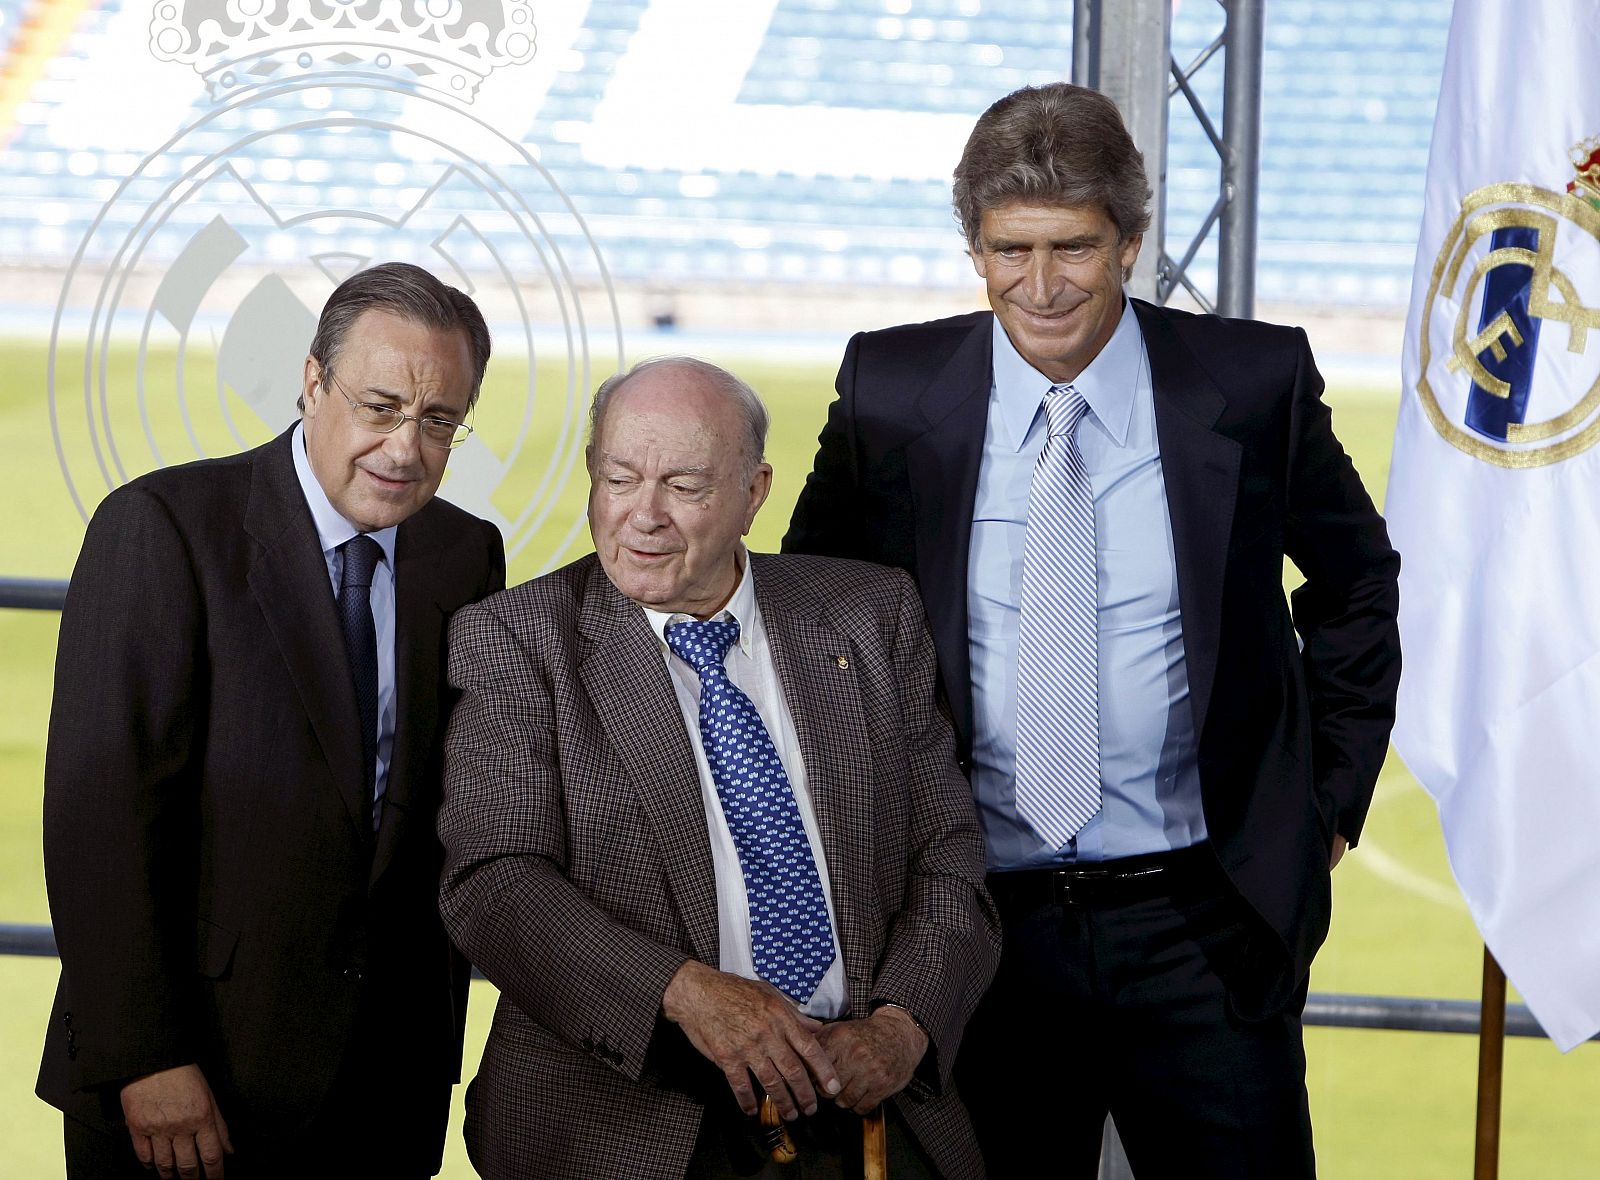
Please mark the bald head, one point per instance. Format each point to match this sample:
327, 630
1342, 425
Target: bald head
687, 372
676, 479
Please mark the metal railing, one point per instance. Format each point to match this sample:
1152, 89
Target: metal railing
1323, 1009
33, 941
33, 593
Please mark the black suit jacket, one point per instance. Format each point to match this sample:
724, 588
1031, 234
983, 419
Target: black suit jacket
1290, 738
214, 896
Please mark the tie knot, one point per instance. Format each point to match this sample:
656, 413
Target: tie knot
1063, 406
703, 645
361, 556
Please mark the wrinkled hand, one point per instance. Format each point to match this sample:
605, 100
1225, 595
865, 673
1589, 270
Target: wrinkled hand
1339, 846
175, 1124
745, 1026
875, 1057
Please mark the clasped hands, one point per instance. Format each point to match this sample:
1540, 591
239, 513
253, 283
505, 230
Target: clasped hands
746, 1026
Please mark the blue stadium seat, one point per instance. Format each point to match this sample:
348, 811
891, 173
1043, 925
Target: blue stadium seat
1348, 104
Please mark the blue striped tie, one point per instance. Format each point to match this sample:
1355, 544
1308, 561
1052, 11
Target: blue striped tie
1058, 739
791, 940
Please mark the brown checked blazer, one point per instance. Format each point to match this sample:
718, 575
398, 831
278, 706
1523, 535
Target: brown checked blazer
578, 869
214, 896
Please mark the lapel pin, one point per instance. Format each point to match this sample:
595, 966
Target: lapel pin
842, 661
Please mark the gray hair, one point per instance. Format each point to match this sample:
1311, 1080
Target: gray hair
752, 412
410, 293
1058, 144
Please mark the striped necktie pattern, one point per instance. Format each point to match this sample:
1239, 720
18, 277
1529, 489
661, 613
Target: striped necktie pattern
1058, 740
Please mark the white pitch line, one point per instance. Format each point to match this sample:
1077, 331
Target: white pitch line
1397, 872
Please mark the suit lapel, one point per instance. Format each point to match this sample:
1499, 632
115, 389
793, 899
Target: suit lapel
1200, 468
289, 579
822, 694
625, 677
942, 468
419, 622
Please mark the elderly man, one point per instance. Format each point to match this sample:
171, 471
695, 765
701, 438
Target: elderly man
705, 829
1096, 497
243, 771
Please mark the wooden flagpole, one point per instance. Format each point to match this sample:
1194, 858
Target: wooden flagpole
1491, 1061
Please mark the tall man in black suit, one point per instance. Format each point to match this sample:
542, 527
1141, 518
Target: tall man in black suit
1095, 496
243, 770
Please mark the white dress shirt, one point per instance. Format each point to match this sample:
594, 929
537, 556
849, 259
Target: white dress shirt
750, 667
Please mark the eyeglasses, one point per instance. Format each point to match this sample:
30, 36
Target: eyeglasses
382, 419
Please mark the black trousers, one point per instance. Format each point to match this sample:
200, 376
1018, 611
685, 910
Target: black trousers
364, 1127
1119, 998
93, 1154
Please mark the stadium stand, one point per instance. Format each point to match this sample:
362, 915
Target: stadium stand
812, 147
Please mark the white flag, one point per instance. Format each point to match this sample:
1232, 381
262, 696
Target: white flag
1494, 494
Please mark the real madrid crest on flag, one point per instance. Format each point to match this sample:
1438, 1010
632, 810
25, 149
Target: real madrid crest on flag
1510, 352
333, 134
1492, 494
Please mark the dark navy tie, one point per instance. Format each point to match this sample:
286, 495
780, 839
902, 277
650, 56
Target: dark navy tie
361, 557
790, 939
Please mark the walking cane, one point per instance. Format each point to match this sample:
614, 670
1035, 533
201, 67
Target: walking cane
779, 1144
874, 1147
874, 1141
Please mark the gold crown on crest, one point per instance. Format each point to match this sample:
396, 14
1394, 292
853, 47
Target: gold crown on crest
444, 45
1585, 156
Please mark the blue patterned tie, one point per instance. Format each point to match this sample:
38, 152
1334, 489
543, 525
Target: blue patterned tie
361, 557
790, 939
1058, 739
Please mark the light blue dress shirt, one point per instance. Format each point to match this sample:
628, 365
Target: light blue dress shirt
334, 530
1149, 780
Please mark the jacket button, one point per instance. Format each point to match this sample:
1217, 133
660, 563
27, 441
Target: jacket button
353, 974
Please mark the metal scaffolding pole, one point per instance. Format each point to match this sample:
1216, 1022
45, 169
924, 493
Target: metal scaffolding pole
1241, 158
1124, 50
1121, 50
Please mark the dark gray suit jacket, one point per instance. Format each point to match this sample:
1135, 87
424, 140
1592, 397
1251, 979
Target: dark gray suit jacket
579, 874
214, 896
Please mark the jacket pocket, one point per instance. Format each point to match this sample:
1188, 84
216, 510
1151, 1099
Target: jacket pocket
215, 946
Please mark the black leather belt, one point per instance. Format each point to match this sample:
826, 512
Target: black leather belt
1106, 882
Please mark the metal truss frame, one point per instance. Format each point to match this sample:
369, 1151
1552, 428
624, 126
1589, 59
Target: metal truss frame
1116, 49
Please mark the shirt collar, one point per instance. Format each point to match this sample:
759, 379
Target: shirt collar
333, 529
1107, 384
741, 608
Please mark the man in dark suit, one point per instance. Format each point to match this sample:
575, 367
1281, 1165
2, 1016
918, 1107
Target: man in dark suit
1096, 496
243, 772
706, 832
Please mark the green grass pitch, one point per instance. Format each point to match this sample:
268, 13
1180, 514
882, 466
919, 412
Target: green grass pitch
1384, 1104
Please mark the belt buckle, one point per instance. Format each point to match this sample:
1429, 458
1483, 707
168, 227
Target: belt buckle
1061, 889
